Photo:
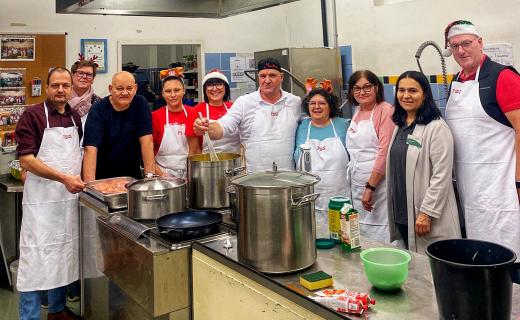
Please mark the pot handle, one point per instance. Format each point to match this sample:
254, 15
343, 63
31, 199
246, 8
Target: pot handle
515, 272
156, 197
233, 172
304, 200
231, 189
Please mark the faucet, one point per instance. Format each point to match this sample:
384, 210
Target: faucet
304, 162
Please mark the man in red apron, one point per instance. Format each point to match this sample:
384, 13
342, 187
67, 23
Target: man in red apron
48, 136
483, 112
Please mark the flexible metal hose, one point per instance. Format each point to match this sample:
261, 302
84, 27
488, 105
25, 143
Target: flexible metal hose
443, 62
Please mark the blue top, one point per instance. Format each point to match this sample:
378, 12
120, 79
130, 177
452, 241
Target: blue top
340, 124
116, 135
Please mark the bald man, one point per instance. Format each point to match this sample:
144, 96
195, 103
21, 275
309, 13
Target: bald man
118, 133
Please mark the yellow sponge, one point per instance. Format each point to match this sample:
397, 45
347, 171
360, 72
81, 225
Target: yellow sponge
316, 280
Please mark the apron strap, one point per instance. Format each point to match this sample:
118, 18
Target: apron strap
46, 113
207, 109
168, 112
309, 129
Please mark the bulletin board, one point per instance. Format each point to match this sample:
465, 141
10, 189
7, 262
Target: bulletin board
50, 51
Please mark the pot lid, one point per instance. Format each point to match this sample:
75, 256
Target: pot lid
155, 184
276, 179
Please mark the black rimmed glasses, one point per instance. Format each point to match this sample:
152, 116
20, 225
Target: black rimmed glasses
86, 75
366, 88
218, 86
466, 44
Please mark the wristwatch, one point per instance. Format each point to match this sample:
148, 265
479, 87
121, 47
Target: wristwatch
369, 186
518, 184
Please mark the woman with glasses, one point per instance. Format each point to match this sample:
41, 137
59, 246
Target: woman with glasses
172, 128
421, 200
216, 104
83, 96
324, 132
368, 137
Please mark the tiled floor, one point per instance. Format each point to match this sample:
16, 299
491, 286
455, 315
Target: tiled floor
9, 306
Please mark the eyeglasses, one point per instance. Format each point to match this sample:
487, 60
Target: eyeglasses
215, 86
464, 44
366, 88
56, 86
86, 75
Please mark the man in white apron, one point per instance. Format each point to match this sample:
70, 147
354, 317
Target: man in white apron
483, 112
266, 120
49, 256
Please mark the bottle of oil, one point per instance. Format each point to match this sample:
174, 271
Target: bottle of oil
349, 222
335, 205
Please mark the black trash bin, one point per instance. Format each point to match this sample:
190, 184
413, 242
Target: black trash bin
473, 279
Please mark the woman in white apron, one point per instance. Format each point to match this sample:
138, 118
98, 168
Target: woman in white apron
49, 235
216, 104
175, 145
329, 158
368, 137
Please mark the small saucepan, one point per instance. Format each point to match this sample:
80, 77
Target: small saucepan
188, 224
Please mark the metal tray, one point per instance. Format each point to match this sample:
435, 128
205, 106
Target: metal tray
114, 201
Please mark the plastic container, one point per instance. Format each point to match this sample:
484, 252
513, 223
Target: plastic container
324, 243
386, 268
473, 279
335, 205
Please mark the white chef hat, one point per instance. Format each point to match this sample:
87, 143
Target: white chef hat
215, 74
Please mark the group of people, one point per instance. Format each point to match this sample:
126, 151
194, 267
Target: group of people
395, 162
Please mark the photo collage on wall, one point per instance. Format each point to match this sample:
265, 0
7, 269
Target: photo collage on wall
12, 103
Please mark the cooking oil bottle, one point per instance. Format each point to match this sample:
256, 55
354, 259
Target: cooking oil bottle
335, 205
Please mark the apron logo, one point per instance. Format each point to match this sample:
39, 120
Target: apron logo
274, 114
67, 136
320, 148
456, 91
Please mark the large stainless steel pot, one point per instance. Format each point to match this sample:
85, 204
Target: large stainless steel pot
276, 228
208, 180
152, 198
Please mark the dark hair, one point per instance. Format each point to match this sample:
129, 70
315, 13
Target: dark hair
213, 81
84, 63
58, 69
427, 112
172, 78
269, 63
331, 99
372, 78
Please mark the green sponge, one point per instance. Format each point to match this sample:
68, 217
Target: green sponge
316, 280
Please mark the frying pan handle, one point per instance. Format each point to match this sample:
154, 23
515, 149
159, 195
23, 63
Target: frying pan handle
156, 197
304, 200
515, 272
176, 233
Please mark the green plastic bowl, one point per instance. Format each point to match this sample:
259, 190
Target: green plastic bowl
386, 268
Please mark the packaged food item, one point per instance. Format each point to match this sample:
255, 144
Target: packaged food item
335, 205
343, 304
363, 298
349, 224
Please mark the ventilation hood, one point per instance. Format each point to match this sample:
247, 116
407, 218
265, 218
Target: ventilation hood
166, 8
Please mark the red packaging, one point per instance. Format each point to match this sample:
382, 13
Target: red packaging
364, 298
341, 304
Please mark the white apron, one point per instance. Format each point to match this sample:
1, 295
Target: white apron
329, 160
363, 146
173, 151
228, 143
485, 168
272, 138
49, 255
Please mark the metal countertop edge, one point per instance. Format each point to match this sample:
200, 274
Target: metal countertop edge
271, 284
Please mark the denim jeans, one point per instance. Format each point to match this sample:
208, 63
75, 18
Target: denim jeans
30, 302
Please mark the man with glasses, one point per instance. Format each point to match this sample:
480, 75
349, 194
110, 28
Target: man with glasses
48, 136
483, 112
83, 96
118, 133
265, 119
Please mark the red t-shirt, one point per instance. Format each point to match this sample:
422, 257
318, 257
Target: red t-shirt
159, 120
508, 88
215, 113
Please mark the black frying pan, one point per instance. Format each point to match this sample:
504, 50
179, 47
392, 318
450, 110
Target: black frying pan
188, 223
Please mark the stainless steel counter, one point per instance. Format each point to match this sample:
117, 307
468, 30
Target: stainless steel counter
10, 184
415, 300
11, 191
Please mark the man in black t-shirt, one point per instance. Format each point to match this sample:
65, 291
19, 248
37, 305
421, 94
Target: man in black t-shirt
118, 133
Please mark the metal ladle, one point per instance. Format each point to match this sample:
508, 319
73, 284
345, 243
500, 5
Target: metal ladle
212, 154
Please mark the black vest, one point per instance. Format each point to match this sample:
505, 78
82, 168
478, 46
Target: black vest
487, 80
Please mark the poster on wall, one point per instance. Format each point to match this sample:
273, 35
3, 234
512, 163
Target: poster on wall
95, 49
17, 48
500, 52
238, 65
11, 96
12, 77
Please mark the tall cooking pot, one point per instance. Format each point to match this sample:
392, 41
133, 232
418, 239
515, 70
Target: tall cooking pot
208, 180
151, 198
277, 228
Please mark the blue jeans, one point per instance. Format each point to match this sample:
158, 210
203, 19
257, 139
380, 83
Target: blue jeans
30, 302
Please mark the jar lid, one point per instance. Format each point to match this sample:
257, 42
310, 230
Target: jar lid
339, 200
276, 179
155, 184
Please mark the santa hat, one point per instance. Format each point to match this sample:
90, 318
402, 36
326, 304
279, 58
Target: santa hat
215, 74
457, 28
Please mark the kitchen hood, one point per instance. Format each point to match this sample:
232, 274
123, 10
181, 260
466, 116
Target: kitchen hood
166, 8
